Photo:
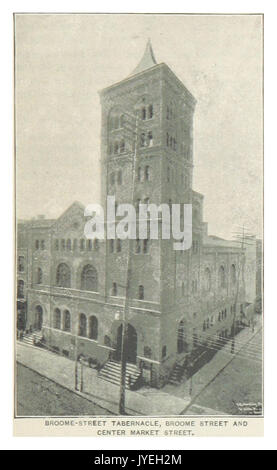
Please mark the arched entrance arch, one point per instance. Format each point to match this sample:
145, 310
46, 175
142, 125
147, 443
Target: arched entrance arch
38, 317
131, 344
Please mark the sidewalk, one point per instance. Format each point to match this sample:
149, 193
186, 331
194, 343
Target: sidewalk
61, 370
210, 370
171, 400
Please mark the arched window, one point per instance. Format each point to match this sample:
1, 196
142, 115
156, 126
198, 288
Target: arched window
63, 278
207, 280
168, 174
221, 277
150, 111
39, 276
233, 274
38, 317
66, 320
93, 328
82, 244
20, 289
114, 289
141, 292
142, 139
116, 120
21, 264
89, 244
147, 173
57, 318
150, 138
143, 113
82, 325
164, 352
89, 278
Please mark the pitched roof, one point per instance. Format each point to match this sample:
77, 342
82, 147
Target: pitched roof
148, 59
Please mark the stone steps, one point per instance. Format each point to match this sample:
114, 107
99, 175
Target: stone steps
30, 338
111, 372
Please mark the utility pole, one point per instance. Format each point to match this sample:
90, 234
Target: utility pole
76, 363
124, 336
124, 347
240, 237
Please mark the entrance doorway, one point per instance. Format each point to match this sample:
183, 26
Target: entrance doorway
38, 317
131, 344
181, 338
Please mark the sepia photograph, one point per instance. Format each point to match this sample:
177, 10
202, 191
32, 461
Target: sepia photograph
138, 220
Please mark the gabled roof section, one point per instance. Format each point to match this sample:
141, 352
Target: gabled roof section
75, 207
71, 221
148, 59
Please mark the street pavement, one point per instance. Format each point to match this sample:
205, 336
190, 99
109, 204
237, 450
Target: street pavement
205, 376
239, 384
39, 396
62, 371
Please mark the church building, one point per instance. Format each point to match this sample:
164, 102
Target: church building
73, 289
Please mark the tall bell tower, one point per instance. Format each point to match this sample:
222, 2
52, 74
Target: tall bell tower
150, 115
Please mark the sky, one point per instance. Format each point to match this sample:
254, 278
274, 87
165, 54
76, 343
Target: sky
63, 61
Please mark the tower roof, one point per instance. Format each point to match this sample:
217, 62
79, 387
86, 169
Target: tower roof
148, 59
